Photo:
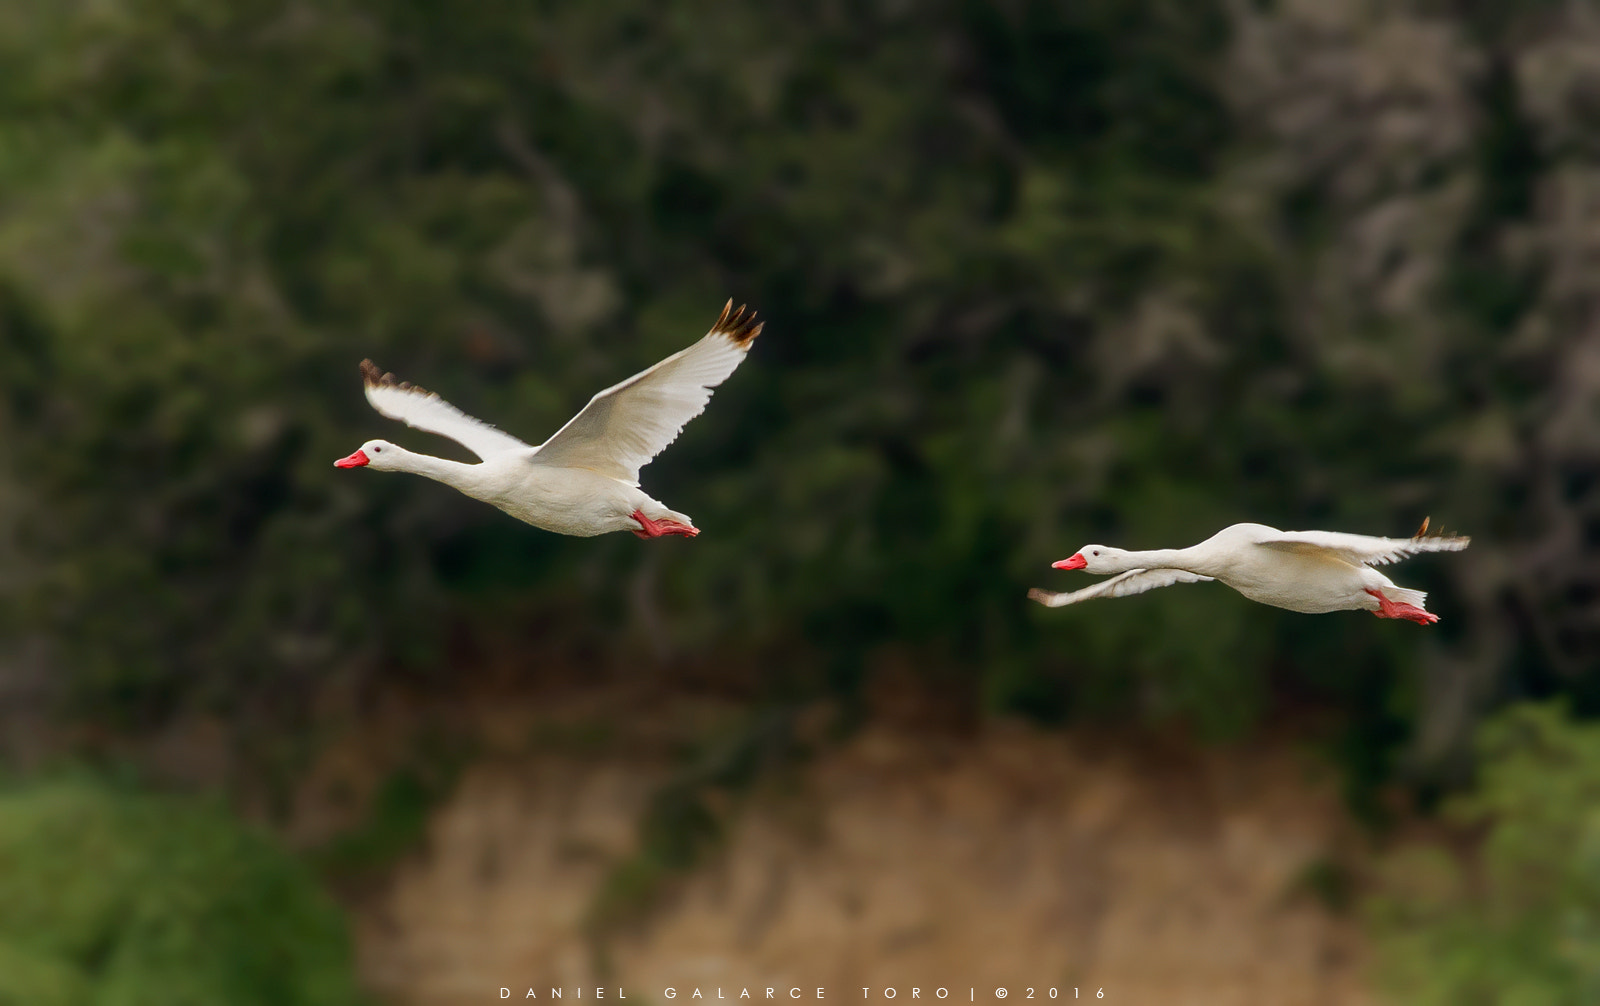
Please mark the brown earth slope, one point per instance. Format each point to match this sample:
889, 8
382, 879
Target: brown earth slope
1008, 857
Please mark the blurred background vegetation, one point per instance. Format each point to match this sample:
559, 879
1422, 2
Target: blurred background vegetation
1526, 927
1035, 274
108, 897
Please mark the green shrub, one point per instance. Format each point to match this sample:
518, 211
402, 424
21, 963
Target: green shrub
116, 899
1522, 923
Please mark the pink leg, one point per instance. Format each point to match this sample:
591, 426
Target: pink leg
657, 528
1400, 609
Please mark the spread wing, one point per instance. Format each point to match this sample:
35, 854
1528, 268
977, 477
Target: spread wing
1134, 581
626, 425
1365, 550
424, 410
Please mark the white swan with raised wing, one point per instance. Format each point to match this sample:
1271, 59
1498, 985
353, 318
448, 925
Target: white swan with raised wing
585, 479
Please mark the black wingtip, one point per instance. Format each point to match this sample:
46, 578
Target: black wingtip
1459, 541
375, 377
738, 324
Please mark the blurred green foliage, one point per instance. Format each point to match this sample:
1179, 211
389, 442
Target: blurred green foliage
117, 899
1523, 924
1036, 274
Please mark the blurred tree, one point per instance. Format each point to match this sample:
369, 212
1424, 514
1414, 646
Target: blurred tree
1123, 270
1525, 927
107, 897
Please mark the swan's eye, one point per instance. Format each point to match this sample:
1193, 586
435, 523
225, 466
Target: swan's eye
379, 450
1096, 551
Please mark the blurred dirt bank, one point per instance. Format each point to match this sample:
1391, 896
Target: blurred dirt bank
1002, 856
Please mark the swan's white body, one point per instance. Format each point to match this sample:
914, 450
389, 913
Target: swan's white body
584, 480
1306, 571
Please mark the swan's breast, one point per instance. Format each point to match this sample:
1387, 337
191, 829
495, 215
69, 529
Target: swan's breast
1312, 583
572, 501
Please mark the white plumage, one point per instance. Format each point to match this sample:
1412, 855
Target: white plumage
1306, 571
629, 423
584, 480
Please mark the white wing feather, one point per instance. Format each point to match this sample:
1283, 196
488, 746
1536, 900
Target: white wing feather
1134, 581
424, 410
627, 424
1364, 550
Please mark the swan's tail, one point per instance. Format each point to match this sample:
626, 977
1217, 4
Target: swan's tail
1405, 595
677, 518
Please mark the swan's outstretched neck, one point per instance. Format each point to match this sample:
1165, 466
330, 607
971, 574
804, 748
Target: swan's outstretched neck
1162, 558
454, 474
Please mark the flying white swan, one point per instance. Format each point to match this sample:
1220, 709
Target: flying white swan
585, 479
1309, 571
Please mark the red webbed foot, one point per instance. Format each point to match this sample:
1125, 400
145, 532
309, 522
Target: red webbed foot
1400, 609
658, 528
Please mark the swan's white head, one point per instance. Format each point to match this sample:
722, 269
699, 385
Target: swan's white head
1098, 559
377, 454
